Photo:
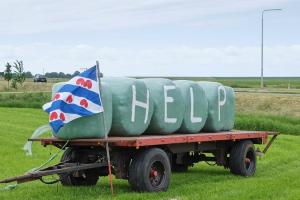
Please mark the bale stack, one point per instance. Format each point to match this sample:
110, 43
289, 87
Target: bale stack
155, 106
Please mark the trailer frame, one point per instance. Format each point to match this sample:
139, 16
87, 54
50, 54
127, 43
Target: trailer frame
175, 152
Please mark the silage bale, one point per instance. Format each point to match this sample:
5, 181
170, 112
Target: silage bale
229, 109
217, 106
89, 126
196, 106
132, 106
168, 106
56, 87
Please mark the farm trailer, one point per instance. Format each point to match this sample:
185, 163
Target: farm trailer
147, 161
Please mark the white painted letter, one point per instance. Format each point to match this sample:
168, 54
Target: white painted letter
221, 103
168, 100
140, 104
193, 118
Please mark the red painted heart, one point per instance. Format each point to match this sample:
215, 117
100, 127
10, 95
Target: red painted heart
69, 99
62, 117
53, 116
88, 84
84, 103
80, 81
57, 96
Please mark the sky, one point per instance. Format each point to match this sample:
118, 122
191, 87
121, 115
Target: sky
153, 37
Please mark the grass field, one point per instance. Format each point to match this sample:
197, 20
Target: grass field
276, 176
273, 112
250, 82
283, 83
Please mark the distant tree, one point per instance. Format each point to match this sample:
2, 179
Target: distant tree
14, 84
19, 74
28, 74
68, 76
51, 75
8, 73
61, 75
76, 73
1, 74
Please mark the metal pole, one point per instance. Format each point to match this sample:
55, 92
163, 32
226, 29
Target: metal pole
105, 134
262, 51
262, 45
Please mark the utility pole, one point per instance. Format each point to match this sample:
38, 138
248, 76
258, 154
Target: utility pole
262, 45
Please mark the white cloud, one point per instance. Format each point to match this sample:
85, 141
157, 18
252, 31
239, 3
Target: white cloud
34, 16
24, 17
175, 61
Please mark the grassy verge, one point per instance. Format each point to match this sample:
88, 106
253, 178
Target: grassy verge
271, 104
254, 112
236, 82
275, 178
259, 122
24, 100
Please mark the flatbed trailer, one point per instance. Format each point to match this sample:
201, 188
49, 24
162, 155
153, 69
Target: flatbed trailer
147, 161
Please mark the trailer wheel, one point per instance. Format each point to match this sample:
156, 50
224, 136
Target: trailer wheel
242, 159
150, 171
80, 178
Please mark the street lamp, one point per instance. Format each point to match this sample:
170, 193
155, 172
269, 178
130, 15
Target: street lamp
262, 45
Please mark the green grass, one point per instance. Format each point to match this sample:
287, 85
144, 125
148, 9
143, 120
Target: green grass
276, 176
24, 100
263, 112
249, 82
235, 82
259, 122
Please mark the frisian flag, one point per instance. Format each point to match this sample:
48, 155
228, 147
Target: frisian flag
79, 97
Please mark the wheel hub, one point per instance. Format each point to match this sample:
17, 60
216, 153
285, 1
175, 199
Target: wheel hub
156, 174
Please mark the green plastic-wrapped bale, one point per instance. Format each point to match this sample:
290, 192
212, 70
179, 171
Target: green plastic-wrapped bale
89, 126
229, 109
168, 106
218, 105
132, 106
196, 106
56, 87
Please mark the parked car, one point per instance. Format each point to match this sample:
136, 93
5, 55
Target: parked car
39, 78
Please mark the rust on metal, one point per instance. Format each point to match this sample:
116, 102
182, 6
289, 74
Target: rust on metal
152, 140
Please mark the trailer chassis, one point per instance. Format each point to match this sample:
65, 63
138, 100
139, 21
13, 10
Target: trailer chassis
151, 156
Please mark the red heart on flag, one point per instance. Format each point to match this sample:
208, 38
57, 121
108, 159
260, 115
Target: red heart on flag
69, 99
88, 84
57, 96
62, 117
84, 103
80, 81
53, 116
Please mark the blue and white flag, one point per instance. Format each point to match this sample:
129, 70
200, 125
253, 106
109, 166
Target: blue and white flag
79, 97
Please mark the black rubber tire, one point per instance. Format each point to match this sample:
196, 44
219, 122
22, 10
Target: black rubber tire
68, 179
141, 168
242, 159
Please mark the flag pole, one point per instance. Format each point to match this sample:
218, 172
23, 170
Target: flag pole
105, 134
